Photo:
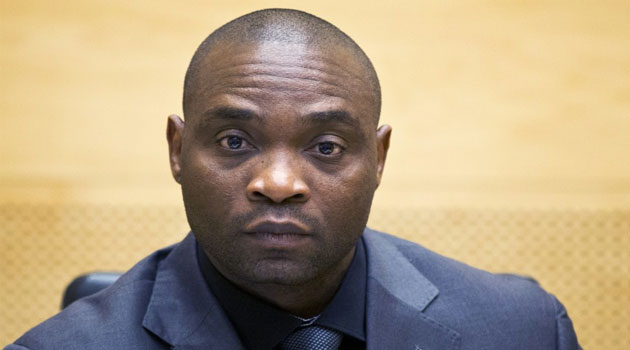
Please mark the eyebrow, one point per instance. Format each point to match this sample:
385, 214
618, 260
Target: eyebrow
231, 113
339, 116
228, 113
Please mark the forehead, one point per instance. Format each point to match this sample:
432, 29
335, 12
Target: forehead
270, 75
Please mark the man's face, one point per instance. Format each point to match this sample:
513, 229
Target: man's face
278, 160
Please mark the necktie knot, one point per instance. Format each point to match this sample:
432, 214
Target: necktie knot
312, 338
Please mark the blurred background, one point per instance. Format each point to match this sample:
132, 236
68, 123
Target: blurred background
510, 150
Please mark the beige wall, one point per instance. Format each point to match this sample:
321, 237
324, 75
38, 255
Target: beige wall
510, 148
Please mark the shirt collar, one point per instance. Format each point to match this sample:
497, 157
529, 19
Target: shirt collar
262, 326
346, 311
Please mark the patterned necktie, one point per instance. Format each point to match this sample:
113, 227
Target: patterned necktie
312, 338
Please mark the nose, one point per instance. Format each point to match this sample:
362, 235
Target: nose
279, 181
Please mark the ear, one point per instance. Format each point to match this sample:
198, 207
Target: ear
383, 133
174, 135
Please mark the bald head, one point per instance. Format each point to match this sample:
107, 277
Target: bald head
286, 27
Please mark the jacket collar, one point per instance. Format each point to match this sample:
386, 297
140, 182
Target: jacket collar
397, 295
182, 311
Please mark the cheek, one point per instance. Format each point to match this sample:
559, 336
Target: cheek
208, 190
356, 178
346, 198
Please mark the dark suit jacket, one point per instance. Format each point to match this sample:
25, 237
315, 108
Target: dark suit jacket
416, 300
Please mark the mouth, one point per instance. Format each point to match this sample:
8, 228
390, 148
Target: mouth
278, 227
277, 234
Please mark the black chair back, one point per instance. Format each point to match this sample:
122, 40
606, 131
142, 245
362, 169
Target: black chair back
87, 284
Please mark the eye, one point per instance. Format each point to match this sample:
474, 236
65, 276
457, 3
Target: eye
328, 148
233, 142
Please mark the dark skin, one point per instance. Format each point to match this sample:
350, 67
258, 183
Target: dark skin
278, 161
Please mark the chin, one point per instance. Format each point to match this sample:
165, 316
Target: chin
282, 273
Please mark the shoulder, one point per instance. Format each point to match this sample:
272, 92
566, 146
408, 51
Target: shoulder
476, 302
453, 277
109, 319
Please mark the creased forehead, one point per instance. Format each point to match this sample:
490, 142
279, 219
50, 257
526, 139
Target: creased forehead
290, 61
285, 73
280, 26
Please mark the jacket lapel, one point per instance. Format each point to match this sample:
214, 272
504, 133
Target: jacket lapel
182, 311
397, 294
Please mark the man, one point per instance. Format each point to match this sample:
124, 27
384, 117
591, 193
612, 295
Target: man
278, 160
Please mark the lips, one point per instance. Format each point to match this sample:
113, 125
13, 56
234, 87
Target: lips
272, 234
280, 227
